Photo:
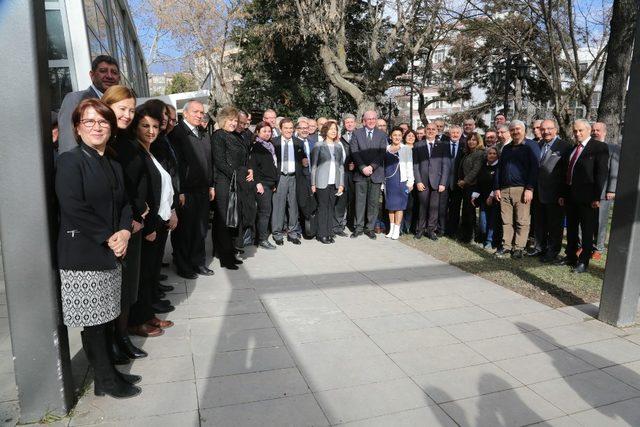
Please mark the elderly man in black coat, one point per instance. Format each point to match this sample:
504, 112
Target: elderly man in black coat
368, 146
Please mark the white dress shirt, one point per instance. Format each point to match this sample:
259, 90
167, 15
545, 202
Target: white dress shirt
332, 164
166, 193
290, 166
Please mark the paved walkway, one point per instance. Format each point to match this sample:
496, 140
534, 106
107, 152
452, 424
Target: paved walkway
372, 334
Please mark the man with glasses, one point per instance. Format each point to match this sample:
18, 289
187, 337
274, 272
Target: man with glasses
104, 73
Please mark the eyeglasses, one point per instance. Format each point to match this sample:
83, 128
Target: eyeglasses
90, 123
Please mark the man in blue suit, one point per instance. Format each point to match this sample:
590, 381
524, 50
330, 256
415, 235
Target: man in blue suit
368, 146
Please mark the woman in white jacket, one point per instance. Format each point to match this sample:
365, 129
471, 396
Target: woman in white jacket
398, 182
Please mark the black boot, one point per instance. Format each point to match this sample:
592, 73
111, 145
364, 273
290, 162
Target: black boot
128, 348
107, 380
130, 378
117, 356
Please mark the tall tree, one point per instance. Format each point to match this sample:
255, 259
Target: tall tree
181, 82
393, 32
616, 71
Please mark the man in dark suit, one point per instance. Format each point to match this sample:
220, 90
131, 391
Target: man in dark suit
192, 147
431, 165
368, 145
344, 204
307, 204
549, 214
291, 161
104, 73
585, 169
599, 132
442, 132
270, 117
468, 127
453, 195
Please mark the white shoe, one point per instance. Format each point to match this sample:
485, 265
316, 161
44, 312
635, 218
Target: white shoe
396, 232
392, 228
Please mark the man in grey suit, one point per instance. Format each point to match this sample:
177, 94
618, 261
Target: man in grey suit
368, 146
549, 214
431, 166
291, 159
599, 132
104, 73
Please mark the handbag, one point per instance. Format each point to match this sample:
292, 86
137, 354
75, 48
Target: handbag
233, 217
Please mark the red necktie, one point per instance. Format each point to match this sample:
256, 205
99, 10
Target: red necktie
572, 163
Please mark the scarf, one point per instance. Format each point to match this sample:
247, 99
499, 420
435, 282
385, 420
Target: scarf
269, 146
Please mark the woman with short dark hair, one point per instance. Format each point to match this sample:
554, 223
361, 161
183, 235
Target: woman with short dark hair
263, 162
95, 227
469, 168
482, 197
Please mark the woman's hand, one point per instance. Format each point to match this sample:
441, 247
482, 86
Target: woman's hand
489, 201
173, 221
340, 189
137, 226
151, 237
313, 188
259, 188
410, 188
250, 175
182, 199
118, 242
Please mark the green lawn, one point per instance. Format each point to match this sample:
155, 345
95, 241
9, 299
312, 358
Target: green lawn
553, 285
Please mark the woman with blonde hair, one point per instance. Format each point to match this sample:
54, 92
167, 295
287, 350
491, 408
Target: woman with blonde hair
230, 157
122, 101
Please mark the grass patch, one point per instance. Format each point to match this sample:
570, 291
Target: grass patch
553, 285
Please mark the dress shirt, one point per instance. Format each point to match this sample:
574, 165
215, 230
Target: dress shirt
332, 164
455, 146
290, 166
166, 192
193, 128
584, 144
100, 94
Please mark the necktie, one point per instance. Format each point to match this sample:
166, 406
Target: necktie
285, 157
453, 150
545, 150
572, 163
196, 133
369, 135
430, 148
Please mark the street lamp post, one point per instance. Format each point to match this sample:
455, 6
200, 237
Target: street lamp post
512, 65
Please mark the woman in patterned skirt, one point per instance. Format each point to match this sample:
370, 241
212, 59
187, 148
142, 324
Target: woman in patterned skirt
95, 227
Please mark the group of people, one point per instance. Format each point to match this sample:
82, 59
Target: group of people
130, 175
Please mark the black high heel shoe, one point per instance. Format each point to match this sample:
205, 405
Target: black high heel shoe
133, 352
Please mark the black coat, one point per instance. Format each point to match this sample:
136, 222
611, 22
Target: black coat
166, 156
590, 172
229, 155
485, 180
195, 160
264, 169
136, 179
93, 206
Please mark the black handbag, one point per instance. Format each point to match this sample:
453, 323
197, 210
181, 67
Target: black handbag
233, 216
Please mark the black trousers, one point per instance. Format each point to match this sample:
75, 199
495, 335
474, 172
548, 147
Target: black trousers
344, 205
264, 213
188, 239
468, 222
453, 211
580, 216
150, 265
367, 203
131, 272
223, 236
548, 227
429, 201
326, 202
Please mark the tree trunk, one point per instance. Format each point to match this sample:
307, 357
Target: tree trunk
617, 68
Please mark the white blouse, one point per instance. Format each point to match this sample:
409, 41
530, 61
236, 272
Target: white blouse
166, 194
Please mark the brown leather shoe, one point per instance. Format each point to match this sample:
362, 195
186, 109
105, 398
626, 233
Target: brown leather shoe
145, 330
159, 323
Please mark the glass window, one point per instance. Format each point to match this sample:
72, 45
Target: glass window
90, 14
103, 34
94, 45
59, 85
56, 46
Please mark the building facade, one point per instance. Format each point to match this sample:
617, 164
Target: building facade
80, 30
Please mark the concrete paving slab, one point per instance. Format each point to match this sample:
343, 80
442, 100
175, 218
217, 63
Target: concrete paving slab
456, 316
628, 373
240, 362
437, 359
393, 323
239, 322
483, 329
540, 367
429, 416
584, 391
510, 346
617, 414
417, 339
606, 353
235, 340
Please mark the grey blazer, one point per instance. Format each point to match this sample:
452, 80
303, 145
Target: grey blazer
550, 174
321, 163
614, 161
67, 137
431, 170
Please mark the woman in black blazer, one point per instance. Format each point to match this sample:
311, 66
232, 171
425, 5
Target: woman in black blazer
122, 102
263, 161
95, 227
230, 158
159, 199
